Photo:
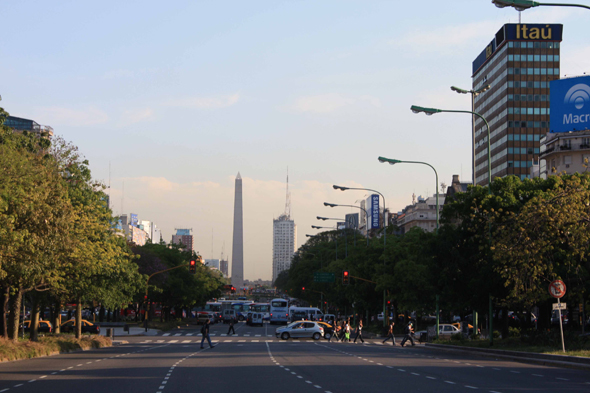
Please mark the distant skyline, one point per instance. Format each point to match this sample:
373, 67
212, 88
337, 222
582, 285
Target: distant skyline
178, 98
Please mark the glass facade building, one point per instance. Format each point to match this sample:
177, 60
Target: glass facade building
518, 64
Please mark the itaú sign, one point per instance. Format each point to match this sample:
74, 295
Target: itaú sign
536, 32
570, 104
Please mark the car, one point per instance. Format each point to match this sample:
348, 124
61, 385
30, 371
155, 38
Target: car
218, 317
44, 326
300, 329
328, 329
87, 327
447, 330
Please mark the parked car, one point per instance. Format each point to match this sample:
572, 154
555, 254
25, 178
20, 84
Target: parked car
300, 329
447, 330
44, 326
87, 327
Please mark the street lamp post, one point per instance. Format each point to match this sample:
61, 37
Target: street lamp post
393, 162
337, 219
431, 111
521, 5
342, 188
358, 207
473, 93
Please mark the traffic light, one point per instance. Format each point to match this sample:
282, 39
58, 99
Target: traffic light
303, 288
192, 267
345, 277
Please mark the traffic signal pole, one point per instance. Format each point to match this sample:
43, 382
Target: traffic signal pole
147, 310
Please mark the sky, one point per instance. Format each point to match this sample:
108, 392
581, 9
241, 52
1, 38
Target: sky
176, 98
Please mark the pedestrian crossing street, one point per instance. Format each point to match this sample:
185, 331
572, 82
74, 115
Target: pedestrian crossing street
249, 340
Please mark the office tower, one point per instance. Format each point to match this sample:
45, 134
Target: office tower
185, 238
284, 239
223, 267
237, 259
518, 65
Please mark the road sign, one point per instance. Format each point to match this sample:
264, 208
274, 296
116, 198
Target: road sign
324, 277
559, 306
557, 289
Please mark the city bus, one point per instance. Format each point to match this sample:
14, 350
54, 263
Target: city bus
241, 309
279, 311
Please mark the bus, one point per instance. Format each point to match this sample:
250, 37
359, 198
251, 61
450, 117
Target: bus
279, 311
212, 307
306, 313
241, 309
263, 308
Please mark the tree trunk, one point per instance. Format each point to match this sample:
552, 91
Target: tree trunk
505, 322
5, 298
56, 320
15, 308
34, 326
101, 314
78, 324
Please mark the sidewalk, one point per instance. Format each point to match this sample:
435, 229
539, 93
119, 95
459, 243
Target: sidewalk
133, 331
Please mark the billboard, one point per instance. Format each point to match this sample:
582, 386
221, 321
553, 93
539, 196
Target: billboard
373, 211
569, 101
352, 221
133, 219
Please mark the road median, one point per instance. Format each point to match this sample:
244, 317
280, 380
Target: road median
49, 345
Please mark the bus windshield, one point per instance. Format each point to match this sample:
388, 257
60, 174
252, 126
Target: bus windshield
279, 304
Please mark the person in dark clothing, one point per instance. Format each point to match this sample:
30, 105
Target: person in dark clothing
408, 334
359, 332
205, 332
231, 327
390, 334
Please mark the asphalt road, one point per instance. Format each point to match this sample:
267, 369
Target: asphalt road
252, 361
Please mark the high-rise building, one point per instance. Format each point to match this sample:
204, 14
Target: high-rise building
185, 238
223, 266
237, 259
212, 263
518, 65
284, 239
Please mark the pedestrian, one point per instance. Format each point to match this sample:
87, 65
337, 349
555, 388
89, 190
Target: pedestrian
409, 330
347, 332
205, 333
359, 332
390, 334
231, 327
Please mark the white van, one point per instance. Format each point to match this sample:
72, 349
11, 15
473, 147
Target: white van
307, 313
229, 315
257, 319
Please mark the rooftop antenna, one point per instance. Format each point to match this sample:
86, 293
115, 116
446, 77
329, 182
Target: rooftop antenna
288, 198
212, 255
123, 198
109, 204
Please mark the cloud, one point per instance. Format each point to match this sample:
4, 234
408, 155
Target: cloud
64, 116
331, 102
136, 116
205, 102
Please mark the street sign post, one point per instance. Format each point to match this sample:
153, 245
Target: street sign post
324, 277
557, 290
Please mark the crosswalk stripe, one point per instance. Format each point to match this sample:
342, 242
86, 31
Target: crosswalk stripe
166, 334
178, 334
186, 341
189, 334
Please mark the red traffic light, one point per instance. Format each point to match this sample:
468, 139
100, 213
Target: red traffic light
193, 263
345, 277
303, 288
192, 267
345, 273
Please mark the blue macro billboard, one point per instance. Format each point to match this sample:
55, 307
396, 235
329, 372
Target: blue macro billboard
570, 104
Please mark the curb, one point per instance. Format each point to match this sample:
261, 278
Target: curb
562, 361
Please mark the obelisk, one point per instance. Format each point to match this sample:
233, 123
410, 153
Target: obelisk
237, 259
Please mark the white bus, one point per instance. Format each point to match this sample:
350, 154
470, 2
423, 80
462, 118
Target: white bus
279, 311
